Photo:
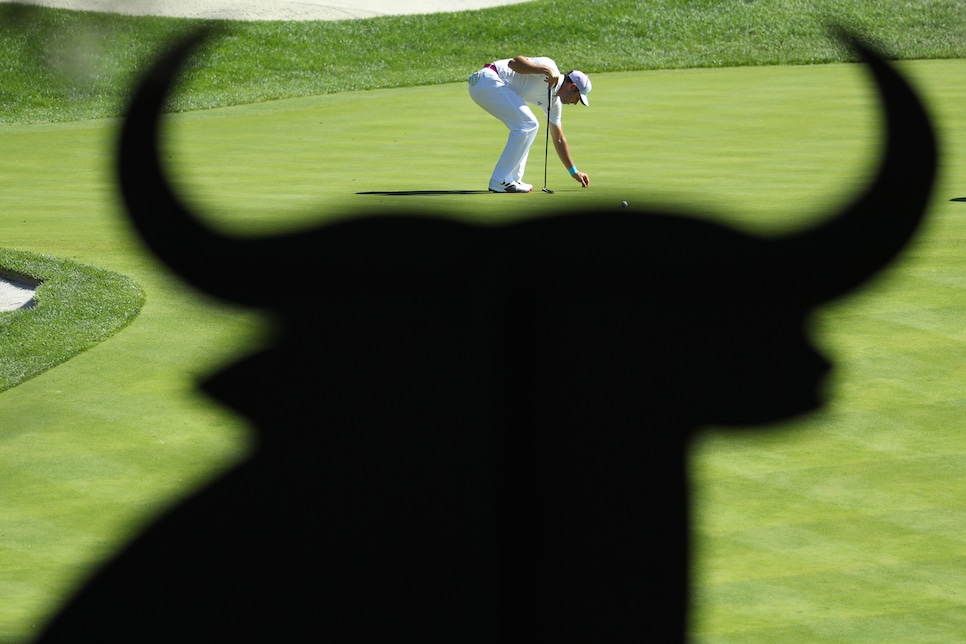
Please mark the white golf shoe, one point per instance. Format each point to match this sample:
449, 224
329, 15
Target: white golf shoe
513, 186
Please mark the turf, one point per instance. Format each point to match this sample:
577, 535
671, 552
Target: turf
97, 445
842, 526
67, 65
76, 307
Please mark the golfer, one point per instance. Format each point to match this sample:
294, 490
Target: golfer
504, 88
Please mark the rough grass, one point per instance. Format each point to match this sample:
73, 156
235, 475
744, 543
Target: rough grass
77, 306
61, 65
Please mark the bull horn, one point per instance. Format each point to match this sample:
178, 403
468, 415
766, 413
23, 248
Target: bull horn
215, 263
835, 257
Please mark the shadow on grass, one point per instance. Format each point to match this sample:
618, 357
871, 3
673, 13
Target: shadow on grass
469, 432
76, 307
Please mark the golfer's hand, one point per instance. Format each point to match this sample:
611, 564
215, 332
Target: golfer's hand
582, 178
551, 80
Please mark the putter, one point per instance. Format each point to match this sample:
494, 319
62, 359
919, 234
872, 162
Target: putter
546, 143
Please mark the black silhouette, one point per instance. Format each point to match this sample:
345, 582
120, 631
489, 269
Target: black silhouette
471, 433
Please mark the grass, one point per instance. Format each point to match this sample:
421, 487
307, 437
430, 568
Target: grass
77, 306
840, 527
61, 65
100, 444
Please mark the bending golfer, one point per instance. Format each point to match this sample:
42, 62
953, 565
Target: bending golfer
504, 88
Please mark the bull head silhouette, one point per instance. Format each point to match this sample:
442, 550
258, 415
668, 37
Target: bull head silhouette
472, 433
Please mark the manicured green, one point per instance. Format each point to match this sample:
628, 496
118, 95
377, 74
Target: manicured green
840, 527
66, 65
97, 445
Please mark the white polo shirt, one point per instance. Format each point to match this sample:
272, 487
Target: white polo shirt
531, 87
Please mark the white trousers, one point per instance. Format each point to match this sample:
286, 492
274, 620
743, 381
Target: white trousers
493, 95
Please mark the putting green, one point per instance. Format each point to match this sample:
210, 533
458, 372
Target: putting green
842, 526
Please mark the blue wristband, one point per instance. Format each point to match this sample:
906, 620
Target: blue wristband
572, 170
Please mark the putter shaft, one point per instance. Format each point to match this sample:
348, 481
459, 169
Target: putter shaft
546, 142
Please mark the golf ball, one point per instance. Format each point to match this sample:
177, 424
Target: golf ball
623, 204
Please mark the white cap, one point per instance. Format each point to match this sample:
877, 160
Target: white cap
582, 82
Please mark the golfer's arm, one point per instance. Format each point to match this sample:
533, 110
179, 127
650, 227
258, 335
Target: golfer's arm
560, 145
523, 65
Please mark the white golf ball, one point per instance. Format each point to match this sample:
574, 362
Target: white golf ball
623, 204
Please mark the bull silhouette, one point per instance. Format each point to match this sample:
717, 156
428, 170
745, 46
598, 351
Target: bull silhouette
479, 433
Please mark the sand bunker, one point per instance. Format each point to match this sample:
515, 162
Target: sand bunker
15, 295
270, 9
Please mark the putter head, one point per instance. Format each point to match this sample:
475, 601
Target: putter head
547, 190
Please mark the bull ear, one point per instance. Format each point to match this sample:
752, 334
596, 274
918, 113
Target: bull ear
213, 262
846, 251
